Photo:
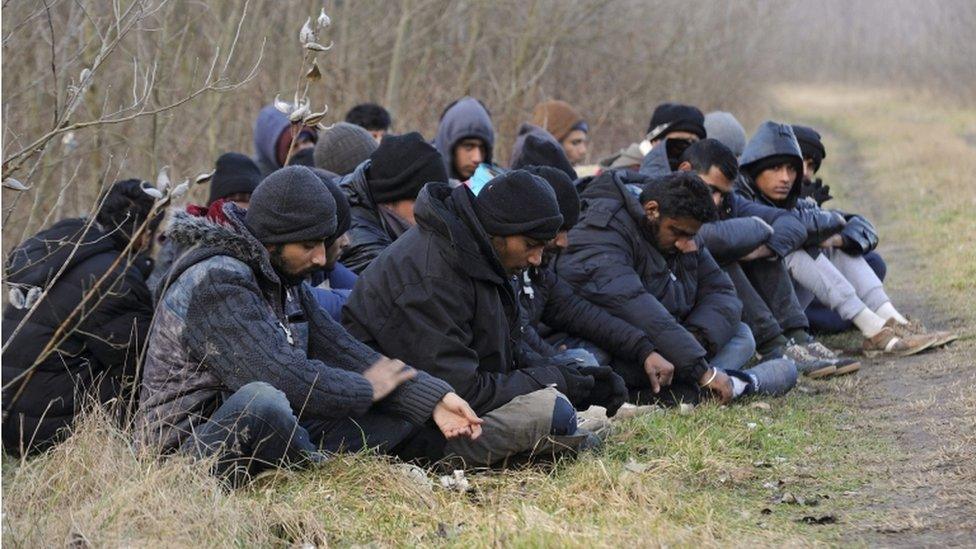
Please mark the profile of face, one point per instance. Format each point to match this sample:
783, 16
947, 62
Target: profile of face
717, 183
809, 169
468, 153
294, 261
518, 252
670, 235
403, 209
775, 182
575, 144
377, 134
334, 251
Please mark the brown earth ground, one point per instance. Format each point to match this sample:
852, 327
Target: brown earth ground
922, 491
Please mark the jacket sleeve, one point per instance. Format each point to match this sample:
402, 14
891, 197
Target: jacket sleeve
330, 342
606, 277
820, 224
341, 278
233, 332
428, 327
566, 311
789, 233
730, 239
718, 311
364, 246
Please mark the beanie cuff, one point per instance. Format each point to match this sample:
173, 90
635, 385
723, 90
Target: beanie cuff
538, 229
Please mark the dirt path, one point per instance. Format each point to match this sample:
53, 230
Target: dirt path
924, 492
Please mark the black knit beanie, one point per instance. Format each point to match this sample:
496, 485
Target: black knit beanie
519, 203
291, 205
539, 151
343, 215
566, 195
234, 173
401, 166
811, 144
673, 117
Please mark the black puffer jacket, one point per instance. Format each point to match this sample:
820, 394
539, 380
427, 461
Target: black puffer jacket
438, 299
548, 300
368, 235
611, 263
98, 357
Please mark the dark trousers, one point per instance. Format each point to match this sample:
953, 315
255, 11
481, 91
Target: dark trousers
770, 306
824, 320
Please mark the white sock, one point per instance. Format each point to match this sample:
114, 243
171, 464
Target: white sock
888, 310
868, 322
738, 386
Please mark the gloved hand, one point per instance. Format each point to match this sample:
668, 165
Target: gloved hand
609, 389
860, 236
816, 190
578, 385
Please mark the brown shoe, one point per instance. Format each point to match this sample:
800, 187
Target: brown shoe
915, 327
887, 342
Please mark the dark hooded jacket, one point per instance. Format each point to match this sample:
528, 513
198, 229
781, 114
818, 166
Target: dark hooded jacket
550, 301
267, 130
227, 320
368, 234
772, 139
535, 146
439, 299
466, 118
729, 238
98, 357
611, 263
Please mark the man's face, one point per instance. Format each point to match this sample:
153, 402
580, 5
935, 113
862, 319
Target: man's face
296, 260
517, 253
808, 169
468, 153
717, 183
335, 250
575, 146
670, 234
403, 209
775, 183
377, 134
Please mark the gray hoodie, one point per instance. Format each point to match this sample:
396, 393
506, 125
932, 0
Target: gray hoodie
465, 118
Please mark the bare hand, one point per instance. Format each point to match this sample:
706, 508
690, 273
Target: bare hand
761, 252
835, 241
686, 246
455, 418
386, 374
720, 387
658, 370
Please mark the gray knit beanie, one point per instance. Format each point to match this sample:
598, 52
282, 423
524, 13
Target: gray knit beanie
291, 205
343, 147
726, 129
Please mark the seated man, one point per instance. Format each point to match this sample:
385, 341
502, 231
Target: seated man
278, 142
740, 245
772, 165
681, 124
382, 193
371, 117
551, 305
332, 285
63, 346
633, 253
441, 297
536, 147
465, 138
243, 365
564, 123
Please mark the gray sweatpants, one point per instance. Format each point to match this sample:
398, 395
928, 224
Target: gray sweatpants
843, 282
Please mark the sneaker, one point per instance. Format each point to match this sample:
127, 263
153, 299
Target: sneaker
915, 327
772, 378
808, 364
887, 342
844, 365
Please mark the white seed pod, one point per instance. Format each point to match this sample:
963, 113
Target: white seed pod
323, 128
162, 180
323, 20
69, 142
314, 74
16, 298
14, 184
299, 113
204, 177
307, 35
283, 107
84, 76
32, 296
314, 46
315, 117
180, 189
151, 191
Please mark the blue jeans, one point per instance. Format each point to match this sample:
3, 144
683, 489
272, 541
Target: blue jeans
737, 352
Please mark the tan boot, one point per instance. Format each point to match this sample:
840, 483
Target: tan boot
915, 327
887, 342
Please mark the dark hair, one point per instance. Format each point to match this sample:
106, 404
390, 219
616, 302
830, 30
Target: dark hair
125, 207
369, 116
681, 194
704, 154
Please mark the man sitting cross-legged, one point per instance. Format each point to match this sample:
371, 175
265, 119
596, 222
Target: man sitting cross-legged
242, 363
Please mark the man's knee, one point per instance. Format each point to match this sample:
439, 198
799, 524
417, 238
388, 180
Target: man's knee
262, 400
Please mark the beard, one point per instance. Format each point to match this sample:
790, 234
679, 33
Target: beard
649, 230
288, 277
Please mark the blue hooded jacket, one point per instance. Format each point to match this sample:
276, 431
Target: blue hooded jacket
267, 129
466, 118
